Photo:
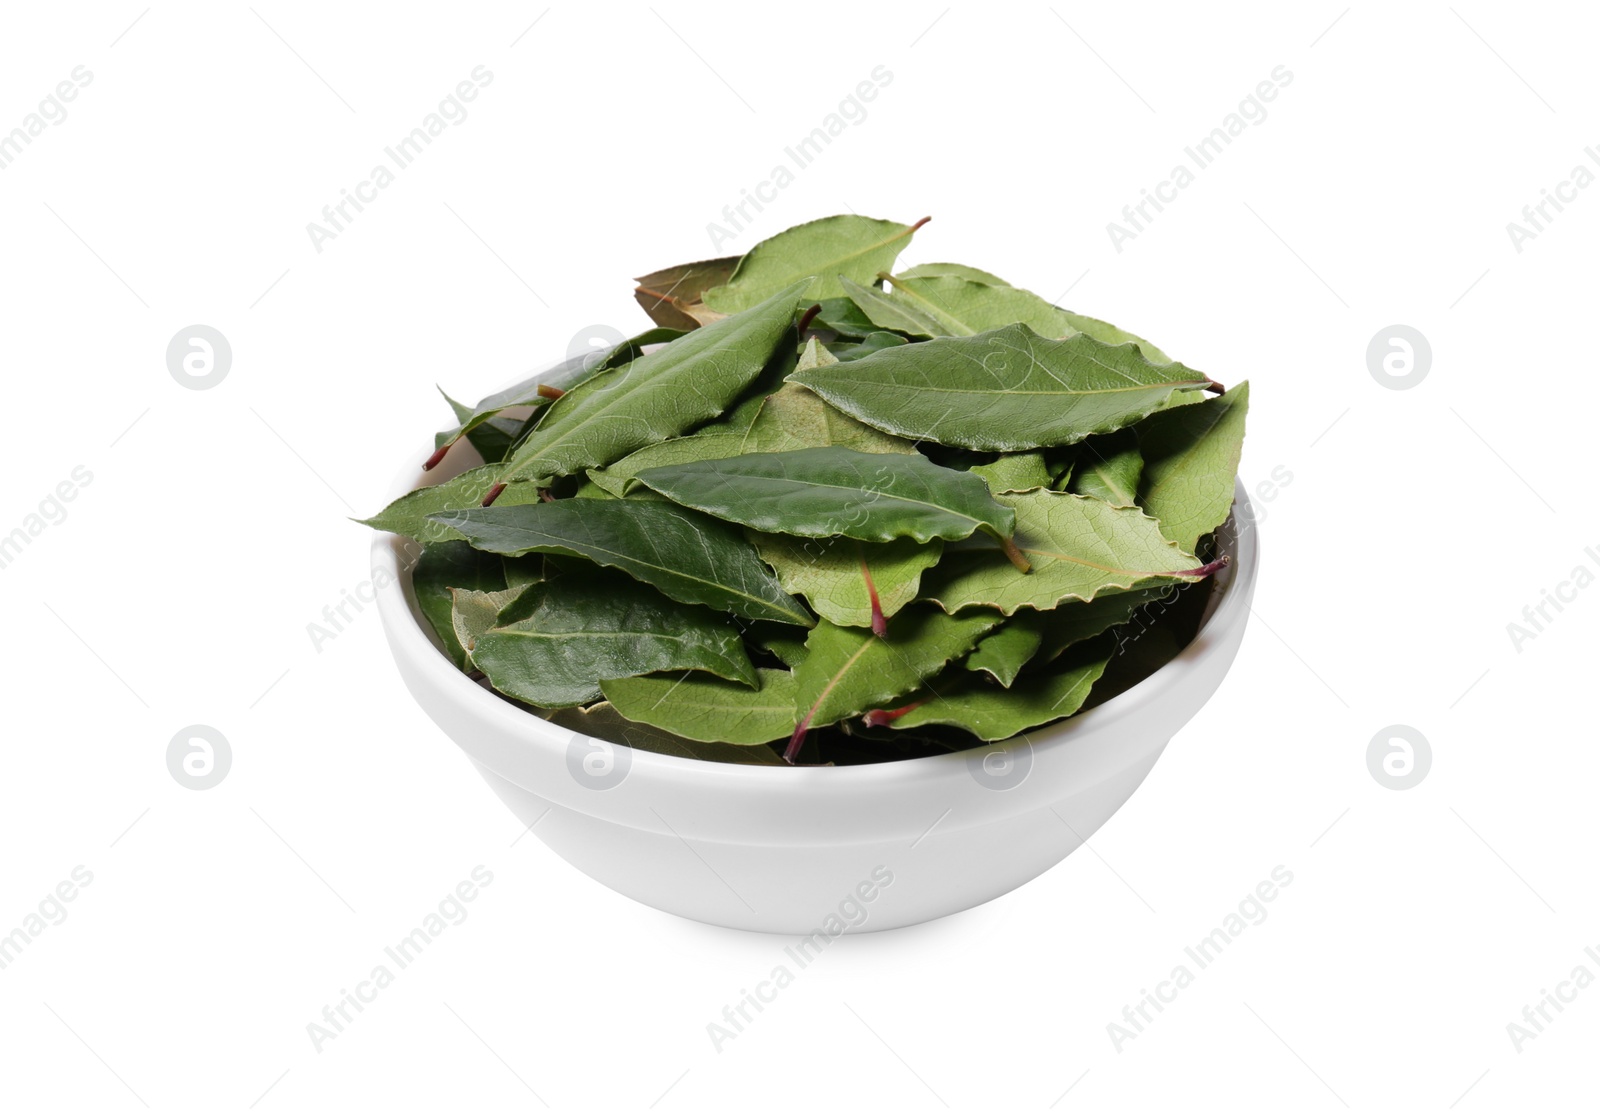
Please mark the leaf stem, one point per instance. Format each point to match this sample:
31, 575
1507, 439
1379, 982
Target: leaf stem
669, 297
880, 626
550, 391
1015, 556
806, 318
494, 494
798, 739
1206, 570
879, 718
437, 456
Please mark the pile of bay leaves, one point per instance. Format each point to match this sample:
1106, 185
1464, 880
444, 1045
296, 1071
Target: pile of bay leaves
829, 513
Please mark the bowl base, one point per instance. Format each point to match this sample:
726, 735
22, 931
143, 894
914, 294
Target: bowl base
817, 892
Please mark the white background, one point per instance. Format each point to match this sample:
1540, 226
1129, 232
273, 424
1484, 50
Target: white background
179, 588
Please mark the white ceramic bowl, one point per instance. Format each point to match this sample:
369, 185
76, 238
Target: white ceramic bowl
816, 850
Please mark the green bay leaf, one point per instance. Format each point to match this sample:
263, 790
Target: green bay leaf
709, 709
1109, 334
817, 251
891, 314
493, 435
571, 632
966, 300
441, 568
813, 354
587, 489
523, 571
963, 307
474, 611
1072, 622
618, 478
658, 396
829, 491
690, 557
1015, 472
993, 714
411, 514
1108, 468
1191, 457
603, 722
871, 343
1005, 651
958, 271
790, 418
1004, 390
794, 418
829, 573
849, 670
790, 652
842, 317
1079, 547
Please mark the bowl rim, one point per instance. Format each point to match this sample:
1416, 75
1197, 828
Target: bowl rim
1229, 609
